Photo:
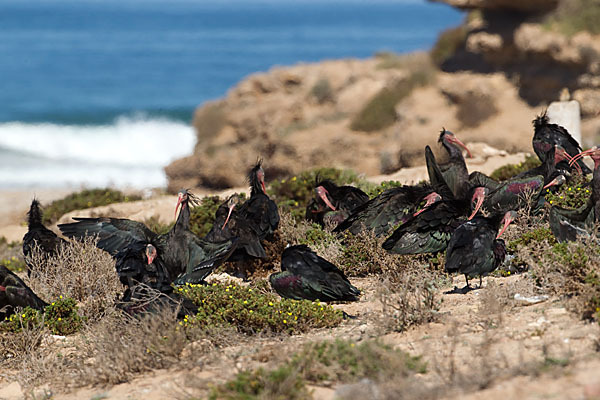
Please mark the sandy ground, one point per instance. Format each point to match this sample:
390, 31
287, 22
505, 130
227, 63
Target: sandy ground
498, 351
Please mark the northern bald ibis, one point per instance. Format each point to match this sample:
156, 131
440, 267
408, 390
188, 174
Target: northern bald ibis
547, 135
229, 223
259, 210
476, 249
341, 201
15, 293
305, 275
430, 231
38, 234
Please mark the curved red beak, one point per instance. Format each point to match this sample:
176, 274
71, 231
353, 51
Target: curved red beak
561, 155
2, 289
430, 199
509, 217
179, 203
588, 152
478, 196
456, 140
231, 207
150, 254
322, 193
559, 180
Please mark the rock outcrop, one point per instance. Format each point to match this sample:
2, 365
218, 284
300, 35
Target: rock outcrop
507, 68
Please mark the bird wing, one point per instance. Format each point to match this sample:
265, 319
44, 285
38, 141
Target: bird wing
436, 177
114, 234
428, 232
204, 257
470, 248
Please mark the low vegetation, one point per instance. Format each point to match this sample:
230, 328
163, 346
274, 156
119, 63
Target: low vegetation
322, 91
573, 16
61, 317
509, 170
87, 198
572, 194
340, 361
251, 310
448, 42
80, 271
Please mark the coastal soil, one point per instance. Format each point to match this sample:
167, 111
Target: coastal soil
485, 344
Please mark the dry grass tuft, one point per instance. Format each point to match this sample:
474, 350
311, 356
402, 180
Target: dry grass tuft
79, 271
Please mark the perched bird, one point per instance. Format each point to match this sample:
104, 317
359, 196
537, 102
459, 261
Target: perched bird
186, 257
15, 293
139, 263
547, 135
390, 208
454, 171
38, 234
430, 231
475, 248
569, 224
305, 275
229, 223
259, 210
341, 201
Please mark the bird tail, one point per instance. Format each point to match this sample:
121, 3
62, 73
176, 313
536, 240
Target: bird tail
34, 216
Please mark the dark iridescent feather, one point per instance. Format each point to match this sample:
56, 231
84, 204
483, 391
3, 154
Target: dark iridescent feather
15, 293
305, 275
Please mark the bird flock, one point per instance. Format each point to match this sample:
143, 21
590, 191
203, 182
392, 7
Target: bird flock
461, 213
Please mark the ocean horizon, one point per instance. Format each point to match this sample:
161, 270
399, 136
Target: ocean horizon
99, 93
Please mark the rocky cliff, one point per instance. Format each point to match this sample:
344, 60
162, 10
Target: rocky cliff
376, 115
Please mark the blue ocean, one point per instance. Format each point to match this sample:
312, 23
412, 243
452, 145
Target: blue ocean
102, 92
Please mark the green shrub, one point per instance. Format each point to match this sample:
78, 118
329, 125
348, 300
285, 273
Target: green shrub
448, 42
280, 383
156, 226
347, 361
374, 190
574, 16
380, 111
538, 235
250, 310
573, 194
322, 91
61, 317
509, 170
331, 361
14, 264
85, 199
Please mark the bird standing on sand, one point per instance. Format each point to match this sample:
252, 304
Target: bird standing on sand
476, 249
305, 275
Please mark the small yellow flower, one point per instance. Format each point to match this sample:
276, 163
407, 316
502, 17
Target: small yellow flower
59, 318
550, 201
284, 321
214, 284
296, 318
227, 290
294, 179
352, 344
23, 315
249, 290
60, 296
289, 313
251, 311
245, 301
270, 303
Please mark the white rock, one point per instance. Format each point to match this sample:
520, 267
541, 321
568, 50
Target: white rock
568, 115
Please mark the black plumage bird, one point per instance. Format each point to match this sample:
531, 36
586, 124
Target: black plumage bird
186, 257
454, 171
229, 223
567, 224
15, 293
259, 210
546, 135
339, 201
475, 248
38, 234
430, 231
305, 275
390, 208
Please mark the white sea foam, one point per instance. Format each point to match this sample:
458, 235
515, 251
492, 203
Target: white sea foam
129, 152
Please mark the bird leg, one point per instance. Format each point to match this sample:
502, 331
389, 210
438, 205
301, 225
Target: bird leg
480, 282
